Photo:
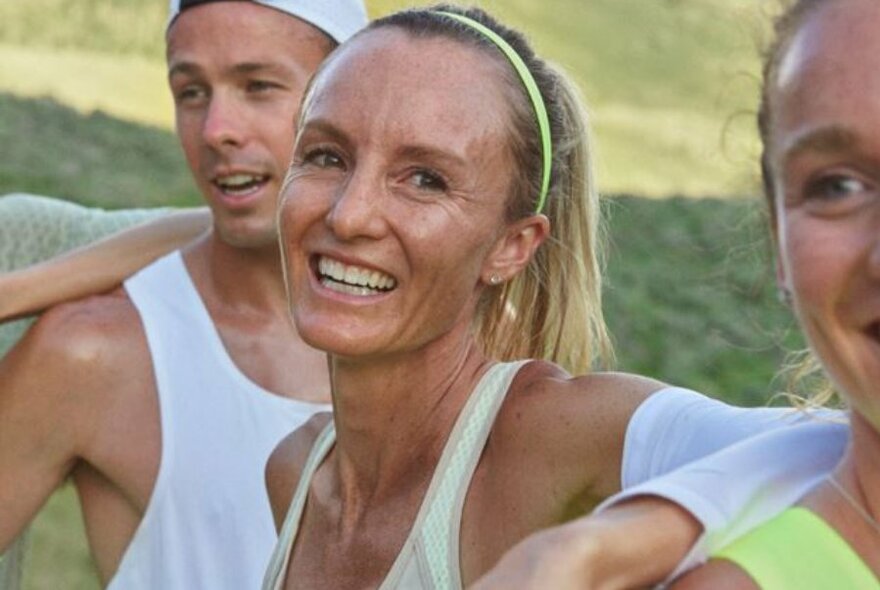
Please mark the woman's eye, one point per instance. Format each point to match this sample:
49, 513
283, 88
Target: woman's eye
323, 159
427, 180
835, 187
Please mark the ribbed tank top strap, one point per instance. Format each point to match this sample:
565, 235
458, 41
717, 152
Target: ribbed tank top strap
438, 532
798, 550
275, 575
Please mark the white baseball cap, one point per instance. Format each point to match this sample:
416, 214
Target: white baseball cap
340, 19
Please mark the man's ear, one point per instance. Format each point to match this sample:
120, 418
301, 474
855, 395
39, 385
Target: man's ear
514, 249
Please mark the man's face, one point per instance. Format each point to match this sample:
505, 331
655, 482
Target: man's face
237, 71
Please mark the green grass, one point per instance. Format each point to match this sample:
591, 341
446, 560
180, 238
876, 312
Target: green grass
690, 295
665, 79
125, 86
93, 159
58, 556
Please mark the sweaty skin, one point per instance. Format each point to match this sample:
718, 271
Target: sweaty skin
398, 151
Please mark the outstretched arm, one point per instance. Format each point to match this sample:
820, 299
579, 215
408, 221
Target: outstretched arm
631, 546
97, 267
641, 536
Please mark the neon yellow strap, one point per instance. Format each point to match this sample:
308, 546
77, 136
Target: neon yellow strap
797, 550
532, 89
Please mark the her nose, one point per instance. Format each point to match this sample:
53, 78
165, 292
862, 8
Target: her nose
357, 210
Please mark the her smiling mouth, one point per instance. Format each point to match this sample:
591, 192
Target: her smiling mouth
353, 280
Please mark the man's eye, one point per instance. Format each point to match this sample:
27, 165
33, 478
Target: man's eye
260, 86
427, 180
190, 93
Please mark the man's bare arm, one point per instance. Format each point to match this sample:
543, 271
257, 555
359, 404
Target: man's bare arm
98, 267
47, 409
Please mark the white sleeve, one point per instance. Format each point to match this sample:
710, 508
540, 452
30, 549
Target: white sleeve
739, 487
676, 426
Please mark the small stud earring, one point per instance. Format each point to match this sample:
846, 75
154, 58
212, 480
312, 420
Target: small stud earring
494, 280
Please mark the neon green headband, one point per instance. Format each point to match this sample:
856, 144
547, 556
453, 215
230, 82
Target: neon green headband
534, 94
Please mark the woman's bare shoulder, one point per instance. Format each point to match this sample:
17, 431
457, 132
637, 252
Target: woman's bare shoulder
580, 421
547, 391
287, 461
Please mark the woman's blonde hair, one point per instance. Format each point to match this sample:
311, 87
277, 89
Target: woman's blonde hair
552, 310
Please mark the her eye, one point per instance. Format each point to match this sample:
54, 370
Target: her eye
323, 158
427, 180
835, 187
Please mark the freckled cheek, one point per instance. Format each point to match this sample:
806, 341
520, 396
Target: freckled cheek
292, 218
817, 265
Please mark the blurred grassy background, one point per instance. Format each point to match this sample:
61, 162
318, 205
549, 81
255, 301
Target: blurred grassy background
84, 114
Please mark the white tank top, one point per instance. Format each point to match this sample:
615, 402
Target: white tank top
429, 559
208, 524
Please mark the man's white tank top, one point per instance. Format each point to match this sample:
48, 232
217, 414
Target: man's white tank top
208, 524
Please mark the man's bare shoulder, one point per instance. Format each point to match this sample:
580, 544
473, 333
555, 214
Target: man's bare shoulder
64, 381
92, 339
83, 326
287, 461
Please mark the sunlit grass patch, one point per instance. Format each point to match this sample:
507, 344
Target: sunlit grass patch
129, 87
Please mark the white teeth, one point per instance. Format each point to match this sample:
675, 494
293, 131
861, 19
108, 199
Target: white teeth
236, 180
354, 280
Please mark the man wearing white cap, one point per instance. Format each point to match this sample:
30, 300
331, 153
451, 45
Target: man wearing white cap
162, 400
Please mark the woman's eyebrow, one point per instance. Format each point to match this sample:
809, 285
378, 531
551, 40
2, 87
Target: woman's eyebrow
326, 128
426, 152
825, 140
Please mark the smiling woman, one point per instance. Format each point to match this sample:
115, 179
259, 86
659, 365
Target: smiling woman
820, 124
441, 243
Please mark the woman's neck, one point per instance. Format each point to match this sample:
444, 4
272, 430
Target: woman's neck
394, 415
861, 467
851, 510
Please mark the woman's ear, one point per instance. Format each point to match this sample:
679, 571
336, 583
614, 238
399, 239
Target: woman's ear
515, 248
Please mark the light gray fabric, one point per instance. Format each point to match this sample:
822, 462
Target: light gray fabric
12, 564
33, 229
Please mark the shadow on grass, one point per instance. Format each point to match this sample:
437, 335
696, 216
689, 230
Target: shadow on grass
92, 159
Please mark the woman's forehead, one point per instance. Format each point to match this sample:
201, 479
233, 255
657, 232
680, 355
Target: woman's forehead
422, 81
830, 74
835, 35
